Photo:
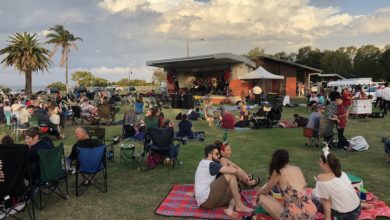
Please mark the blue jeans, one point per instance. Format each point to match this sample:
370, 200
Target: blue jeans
352, 215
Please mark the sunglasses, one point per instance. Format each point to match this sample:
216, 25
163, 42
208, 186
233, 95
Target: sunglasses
216, 154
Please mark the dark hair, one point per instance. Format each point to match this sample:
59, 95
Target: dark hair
279, 159
184, 117
209, 149
218, 144
333, 163
296, 115
32, 132
335, 88
7, 140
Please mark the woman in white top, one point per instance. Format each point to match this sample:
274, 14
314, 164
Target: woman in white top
335, 190
54, 114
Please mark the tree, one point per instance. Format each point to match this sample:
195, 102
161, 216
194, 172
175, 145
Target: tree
159, 76
336, 62
25, 53
97, 81
254, 53
367, 62
385, 61
309, 57
83, 78
58, 85
61, 37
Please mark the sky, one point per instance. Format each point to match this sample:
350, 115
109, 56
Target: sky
119, 36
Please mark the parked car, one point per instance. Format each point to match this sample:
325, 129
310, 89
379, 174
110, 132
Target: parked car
80, 89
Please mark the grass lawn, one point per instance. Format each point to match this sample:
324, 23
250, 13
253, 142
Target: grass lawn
135, 195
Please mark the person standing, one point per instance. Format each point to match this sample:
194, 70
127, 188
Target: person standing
341, 119
378, 94
347, 99
386, 98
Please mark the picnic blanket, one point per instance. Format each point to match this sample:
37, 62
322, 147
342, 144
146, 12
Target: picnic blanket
180, 202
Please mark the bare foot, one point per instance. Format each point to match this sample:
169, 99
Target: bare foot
232, 214
243, 208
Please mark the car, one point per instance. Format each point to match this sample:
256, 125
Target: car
130, 89
53, 90
80, 89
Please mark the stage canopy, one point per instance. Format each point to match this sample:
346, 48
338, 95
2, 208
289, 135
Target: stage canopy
261, 73
204, 63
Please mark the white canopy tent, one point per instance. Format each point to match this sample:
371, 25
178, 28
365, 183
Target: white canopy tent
260, 73
351, 82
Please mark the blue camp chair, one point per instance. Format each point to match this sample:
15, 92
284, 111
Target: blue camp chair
91, 162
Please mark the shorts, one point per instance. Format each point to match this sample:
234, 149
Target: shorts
220, 194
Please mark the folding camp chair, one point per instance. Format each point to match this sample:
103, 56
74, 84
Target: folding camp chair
15, 194
328, 132
97, 132
52, 172
159, 147
104, 113
91, 162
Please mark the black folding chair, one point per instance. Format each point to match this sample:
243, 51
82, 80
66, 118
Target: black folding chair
52, 166
91, 162
159, 146
15, 192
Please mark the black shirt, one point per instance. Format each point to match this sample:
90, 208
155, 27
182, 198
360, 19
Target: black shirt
87, 143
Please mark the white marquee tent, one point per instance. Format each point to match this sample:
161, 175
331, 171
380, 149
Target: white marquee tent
260, 73
351, 82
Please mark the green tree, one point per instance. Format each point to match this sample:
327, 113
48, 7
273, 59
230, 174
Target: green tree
97, 81
367, 62
385, 61
61, 37
336, 62
255, 52
123, 82
83, 78
26, 54
58, 85
308, 56
159, 76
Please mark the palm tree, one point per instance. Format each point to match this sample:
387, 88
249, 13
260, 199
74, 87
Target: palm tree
25, 53
61, 37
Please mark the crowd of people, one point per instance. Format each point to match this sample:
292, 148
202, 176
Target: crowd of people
208, 85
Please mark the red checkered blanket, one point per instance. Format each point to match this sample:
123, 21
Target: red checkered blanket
180, 202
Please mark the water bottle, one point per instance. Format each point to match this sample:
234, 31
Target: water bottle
225, 136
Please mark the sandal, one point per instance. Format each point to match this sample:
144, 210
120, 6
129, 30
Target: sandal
257, 182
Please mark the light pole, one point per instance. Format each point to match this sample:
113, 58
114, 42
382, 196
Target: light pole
188, 45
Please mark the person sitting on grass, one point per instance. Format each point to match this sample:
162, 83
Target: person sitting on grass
300, 121
185, 127
225, 160
216, 185
83, 141
386, 141
334, 188
291, 183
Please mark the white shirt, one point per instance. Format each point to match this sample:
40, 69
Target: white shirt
378, 92
340, 192
386, 93
203, 179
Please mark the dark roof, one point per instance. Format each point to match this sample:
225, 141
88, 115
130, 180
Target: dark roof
291, 63
201, 63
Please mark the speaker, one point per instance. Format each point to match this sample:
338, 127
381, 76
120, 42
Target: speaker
188, 101
176, 101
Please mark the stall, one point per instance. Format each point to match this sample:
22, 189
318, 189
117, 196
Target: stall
362, 107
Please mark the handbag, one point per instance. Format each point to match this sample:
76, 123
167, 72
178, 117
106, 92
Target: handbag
308, 132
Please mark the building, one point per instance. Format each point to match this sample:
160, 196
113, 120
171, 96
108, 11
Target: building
226, 68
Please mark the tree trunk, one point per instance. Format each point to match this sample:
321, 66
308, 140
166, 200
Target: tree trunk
66, 72
27, 87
